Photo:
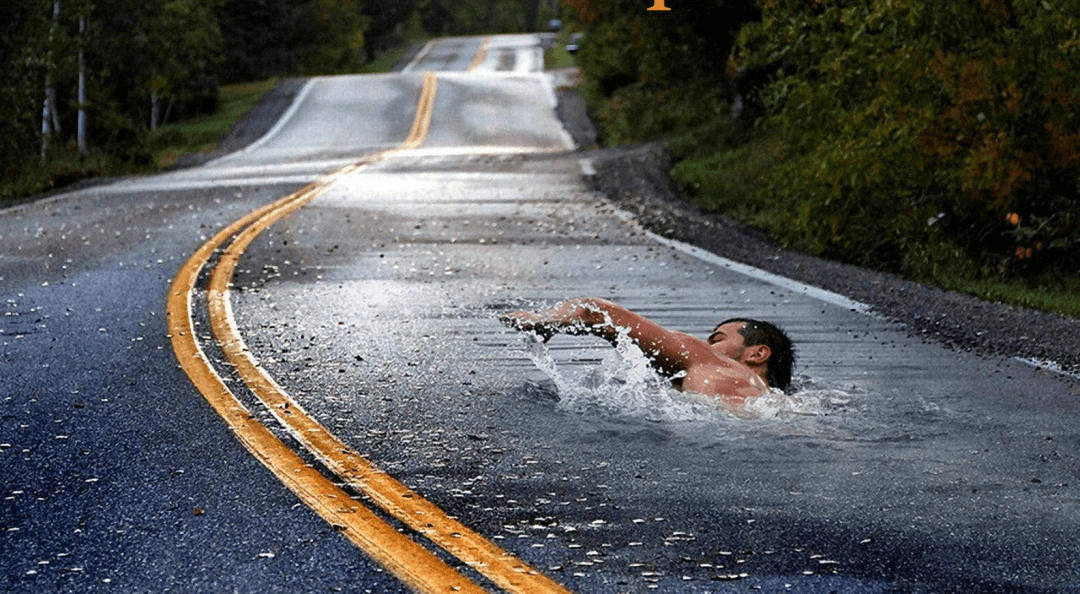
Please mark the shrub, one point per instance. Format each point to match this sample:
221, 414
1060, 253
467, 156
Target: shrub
659, 74
920, 131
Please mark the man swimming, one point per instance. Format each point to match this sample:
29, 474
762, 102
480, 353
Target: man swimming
740, 359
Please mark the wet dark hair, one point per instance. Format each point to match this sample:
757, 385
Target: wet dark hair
782, 358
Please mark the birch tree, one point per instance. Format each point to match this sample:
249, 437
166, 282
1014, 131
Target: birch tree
50, 120
81, 125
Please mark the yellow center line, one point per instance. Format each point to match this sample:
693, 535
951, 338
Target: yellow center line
408, 560
416, 512
422, 121
480, 54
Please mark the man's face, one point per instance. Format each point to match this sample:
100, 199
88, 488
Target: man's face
727, 341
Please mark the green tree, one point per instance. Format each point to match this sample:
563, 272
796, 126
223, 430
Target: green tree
386, 20
25, 23
292, 37
660, 74
916, 133
474, 17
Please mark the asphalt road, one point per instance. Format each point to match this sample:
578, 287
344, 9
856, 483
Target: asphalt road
896, 466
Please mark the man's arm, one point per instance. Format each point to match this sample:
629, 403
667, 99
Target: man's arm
669, 351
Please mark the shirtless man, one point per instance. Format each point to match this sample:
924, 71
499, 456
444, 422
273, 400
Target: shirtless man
740, 359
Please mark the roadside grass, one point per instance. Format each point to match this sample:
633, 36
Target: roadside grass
1057, 295
385, 62
202, 134
556, 55
63, 167
727, 180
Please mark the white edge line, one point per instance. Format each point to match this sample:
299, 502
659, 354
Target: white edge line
284, 119
419, 56
768, 277
1047, 365
822, 294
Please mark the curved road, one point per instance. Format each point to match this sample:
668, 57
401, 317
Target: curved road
348, 415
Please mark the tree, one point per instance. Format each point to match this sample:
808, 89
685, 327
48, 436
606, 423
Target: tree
385, 20
651, 73
21, 60
915, 132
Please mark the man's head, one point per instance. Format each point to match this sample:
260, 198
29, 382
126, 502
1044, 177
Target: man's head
778, 356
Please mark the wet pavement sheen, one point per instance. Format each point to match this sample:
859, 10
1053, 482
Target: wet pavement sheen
896, 466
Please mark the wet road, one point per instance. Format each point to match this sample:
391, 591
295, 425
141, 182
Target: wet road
896, 466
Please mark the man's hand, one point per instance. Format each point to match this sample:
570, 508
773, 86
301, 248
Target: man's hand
527, 321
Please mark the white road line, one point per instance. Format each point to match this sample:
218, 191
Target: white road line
1046, 365
821, 294
284, 119
768, 277
419, 56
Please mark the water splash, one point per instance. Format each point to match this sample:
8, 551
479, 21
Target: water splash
623, 384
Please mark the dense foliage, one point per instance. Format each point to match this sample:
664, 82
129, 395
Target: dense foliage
148, 62
652, 74
930, 138
474, 17
144, 61
918, 134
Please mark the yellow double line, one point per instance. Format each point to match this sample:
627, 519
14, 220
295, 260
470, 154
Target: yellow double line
480, 54
412, 563
422, 121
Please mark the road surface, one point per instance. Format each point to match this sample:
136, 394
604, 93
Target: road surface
321, 399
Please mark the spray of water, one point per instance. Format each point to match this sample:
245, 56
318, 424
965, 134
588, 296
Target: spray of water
624, 384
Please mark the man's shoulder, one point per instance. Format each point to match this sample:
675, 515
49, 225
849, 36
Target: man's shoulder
721, 376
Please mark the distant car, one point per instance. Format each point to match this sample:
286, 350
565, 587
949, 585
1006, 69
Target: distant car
554, 25
575, 43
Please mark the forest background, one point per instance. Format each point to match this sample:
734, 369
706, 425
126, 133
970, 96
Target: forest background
936, 140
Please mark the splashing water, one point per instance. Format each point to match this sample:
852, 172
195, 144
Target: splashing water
624, 384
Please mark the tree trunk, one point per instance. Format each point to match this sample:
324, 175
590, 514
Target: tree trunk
168, 110
50, 120
46, 123
154, 111
53, 112
81, 132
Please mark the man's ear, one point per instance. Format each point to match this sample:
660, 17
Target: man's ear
758, 354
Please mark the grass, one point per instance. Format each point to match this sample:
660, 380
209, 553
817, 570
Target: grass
556, 56
727, 180
1059, 295
201, 134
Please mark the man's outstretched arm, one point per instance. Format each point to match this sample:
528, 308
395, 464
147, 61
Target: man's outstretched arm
669, 351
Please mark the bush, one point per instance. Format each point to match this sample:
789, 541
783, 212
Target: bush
660, 74
917, 133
